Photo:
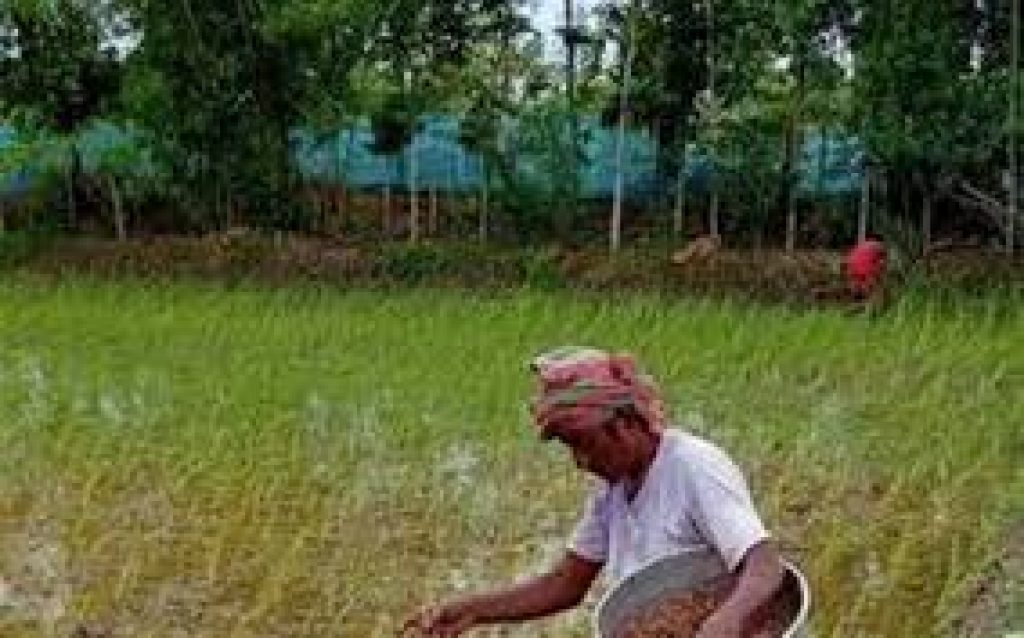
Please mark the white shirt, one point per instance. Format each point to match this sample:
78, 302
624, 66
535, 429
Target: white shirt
693, 497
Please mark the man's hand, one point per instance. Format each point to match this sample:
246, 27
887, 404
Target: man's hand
558, 590
722, 624
442, 621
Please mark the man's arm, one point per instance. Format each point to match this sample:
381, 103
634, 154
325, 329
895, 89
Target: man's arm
560, 589
760, 576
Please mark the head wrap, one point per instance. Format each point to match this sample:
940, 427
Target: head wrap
590, 386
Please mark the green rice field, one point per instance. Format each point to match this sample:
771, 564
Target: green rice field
195, 460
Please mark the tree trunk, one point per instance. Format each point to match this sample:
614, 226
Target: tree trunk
713, 222
451, 195
792, 220
219, 218
1011, 222
865, 206
712, 73
615, 235
414, 204
72, 180
794, 144
322, 213
330, 205
343, 172
342, 205
229, 209
574, 125
308, 198
884, 193
432, 224
385, 215
680, 208
905, 194
119, 218
72, 217
662, 203
926, 222
485, 197
759, 230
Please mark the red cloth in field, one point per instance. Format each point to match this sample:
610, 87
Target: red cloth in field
865, 265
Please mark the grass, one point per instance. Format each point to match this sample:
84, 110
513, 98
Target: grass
191, 460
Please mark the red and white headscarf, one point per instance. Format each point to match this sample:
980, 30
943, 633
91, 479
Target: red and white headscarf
589, 386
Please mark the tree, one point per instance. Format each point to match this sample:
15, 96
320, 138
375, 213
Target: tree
488, 83
57, 60
924, 113
1014, 130
669, 42
627, 53
418, 41
59, 69
226, 83
805, 31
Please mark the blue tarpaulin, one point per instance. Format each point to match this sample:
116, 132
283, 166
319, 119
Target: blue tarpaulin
829, 164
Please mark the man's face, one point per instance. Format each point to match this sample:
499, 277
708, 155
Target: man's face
604, 450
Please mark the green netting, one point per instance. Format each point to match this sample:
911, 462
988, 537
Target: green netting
829, 164
15, 181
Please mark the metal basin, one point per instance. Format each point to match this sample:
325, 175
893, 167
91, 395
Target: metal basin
678, 574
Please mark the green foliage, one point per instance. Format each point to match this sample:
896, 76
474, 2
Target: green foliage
56, 61
218, 88
670, 43
909, 94
17, 247
469, 265
537, 190
226, 91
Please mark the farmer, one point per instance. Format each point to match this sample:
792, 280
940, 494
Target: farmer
865, 268
661, 491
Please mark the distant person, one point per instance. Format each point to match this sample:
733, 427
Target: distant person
661, 492
864, 270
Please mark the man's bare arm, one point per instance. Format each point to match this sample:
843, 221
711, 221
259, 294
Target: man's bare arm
760, 577
560, 589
